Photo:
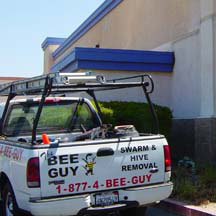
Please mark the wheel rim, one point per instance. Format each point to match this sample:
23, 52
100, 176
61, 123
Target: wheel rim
9, 207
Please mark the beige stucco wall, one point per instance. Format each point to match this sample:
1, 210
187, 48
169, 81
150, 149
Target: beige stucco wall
48, 59
142, 25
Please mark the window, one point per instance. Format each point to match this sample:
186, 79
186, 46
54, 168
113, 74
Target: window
56, 117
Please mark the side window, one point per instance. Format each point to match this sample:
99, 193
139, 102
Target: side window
19, 120
1, 109
63, 116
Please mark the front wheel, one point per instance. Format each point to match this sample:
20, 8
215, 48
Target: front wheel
9, 207
135, 211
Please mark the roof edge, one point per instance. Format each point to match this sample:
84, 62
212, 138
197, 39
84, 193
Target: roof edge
13, 78
91, 21
52, 41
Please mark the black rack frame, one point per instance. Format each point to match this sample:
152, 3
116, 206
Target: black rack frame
51, 86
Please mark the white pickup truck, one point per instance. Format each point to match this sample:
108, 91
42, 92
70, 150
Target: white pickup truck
58, 159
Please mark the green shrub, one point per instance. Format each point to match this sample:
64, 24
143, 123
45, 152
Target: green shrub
208, 175
184, 188
137, 114
194, 189
107, 114
188, 190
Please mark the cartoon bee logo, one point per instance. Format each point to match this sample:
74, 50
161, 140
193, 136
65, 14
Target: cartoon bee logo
90, 162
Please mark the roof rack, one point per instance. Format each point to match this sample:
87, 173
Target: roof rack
71, 82
61, 83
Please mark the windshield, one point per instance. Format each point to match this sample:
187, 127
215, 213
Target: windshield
56, 117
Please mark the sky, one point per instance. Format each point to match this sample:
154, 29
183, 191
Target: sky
24, 25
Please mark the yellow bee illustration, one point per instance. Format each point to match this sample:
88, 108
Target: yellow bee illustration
90, 162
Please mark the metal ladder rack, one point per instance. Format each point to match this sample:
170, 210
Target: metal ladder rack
61, 83
71, 82
35, 85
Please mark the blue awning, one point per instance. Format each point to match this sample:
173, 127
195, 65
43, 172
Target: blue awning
115, 59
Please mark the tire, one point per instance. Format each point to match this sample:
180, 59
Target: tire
9, 206
135, 211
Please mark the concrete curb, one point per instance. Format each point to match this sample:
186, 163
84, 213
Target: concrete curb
183, 209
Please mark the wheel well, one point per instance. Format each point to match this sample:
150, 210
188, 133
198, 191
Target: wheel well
3, 180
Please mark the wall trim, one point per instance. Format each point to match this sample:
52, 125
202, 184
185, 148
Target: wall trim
186, 35
115, 59
91, 21
52, 41
207, 17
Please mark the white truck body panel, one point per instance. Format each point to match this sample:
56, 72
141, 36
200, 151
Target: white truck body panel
80, 170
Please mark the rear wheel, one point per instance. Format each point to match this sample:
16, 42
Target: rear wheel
135, 211
9, 207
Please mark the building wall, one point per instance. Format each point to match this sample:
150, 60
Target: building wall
186, 78
131, 25
48, 59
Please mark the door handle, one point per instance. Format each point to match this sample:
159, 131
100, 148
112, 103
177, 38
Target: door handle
154, 170
102, 152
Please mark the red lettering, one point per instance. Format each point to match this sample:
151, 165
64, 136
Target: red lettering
11, 152
96, 185
115, 182
15, 154
122, 181
58, 188
149, 177
134, 180
5, 151
1, 149
141, 179
77, 186
84, 185
20, 153
108, 183
71, 188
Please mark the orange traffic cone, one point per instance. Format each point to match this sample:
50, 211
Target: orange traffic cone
45, 139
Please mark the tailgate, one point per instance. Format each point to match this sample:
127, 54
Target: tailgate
104, 165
